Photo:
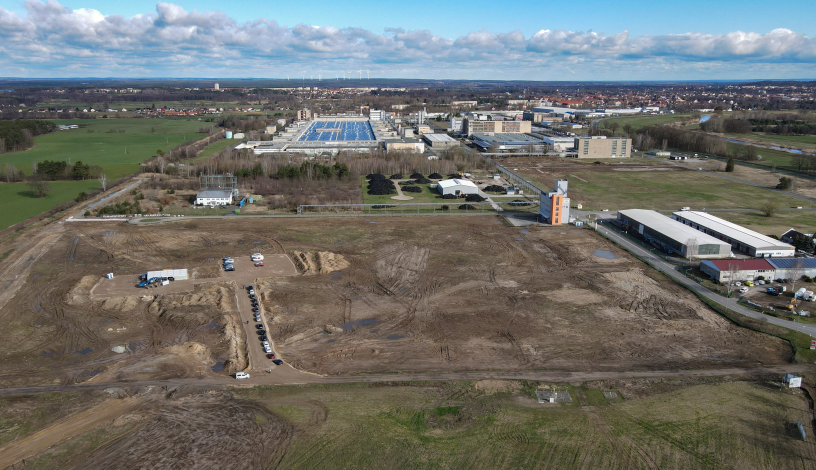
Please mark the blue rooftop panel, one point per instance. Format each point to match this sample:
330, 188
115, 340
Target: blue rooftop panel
335, 131
789, 263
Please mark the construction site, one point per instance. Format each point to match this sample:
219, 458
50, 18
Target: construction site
363, 307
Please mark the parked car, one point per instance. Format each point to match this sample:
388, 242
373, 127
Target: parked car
248, 288
229, 268
262, 338
270, 356
743, 290
257, 257
261, 332
277, 362
259, 325
241, 375
228, 260
258, 264
737, 283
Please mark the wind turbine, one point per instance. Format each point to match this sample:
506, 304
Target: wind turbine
349, 75
303, 74
368, 72
319, 77
287, 77
361, 73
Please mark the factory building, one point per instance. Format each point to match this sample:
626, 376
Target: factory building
603, 147
558, 143
376, 115
750, 242
671, 235
440, 141
457, 187
720, 270
554, 207
472, 126
507, 142
304, 114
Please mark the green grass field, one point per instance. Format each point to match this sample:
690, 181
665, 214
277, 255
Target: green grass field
664, 190
18, 205
117, 153
716, 424
427, 195
648, 120
216, 148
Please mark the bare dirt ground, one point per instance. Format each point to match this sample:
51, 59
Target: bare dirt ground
378, 296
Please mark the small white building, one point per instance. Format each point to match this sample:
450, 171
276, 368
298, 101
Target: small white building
457, 187
214, 197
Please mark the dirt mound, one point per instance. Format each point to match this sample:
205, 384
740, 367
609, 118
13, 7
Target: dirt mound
190, 349
321, 262
492, 387
121, 304
80, 292
570, 295
238, 357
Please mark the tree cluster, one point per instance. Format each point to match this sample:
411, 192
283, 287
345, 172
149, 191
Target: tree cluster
19, 135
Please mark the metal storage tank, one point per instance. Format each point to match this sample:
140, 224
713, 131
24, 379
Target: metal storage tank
229, 135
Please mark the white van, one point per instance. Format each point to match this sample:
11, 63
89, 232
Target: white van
241, 375
257, 257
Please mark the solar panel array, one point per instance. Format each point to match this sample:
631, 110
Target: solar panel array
337, 131
790, 263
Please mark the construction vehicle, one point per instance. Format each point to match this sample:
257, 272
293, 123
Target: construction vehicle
791, 304
152, 282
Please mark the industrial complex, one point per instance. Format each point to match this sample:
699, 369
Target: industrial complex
671, 235
741, 239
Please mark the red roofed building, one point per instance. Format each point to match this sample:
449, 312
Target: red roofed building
744, 269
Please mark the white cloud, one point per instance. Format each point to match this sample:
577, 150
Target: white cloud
177, 42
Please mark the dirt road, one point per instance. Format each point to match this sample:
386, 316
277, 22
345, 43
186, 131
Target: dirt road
539, 376
75, 425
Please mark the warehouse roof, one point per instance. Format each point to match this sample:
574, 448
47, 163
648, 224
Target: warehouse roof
671, 228
741, 264
790, 263
732, 230
456, 182
215, 193
438, 138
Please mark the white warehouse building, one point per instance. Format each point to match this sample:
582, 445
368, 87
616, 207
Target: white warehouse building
213, 197
457, 187
671, 235
742, 239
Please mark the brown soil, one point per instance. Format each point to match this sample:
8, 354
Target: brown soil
399, 294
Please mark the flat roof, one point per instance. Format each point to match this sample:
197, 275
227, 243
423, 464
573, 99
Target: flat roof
456, 182
671, 228
507, 138
732, 230
438, 138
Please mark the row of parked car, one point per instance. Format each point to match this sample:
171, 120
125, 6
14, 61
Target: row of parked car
256, 313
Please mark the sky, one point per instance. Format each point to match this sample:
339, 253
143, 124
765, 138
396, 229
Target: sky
524, 40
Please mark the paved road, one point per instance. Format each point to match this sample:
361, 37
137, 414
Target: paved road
115, 194
534, 375
671, 271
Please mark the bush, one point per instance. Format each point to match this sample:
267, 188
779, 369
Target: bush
411, 189
445, 207
436, 176
785, 183
87, 214
807, 278
82, 196
759, 278
474, 198
171, 191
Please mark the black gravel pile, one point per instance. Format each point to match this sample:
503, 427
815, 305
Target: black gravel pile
422, 180
416, 176
453, 175
467, 207
381, 186
382, 206
373, 176
474, 198
396, 176
436, 176
495, 188
411, 189
448, 196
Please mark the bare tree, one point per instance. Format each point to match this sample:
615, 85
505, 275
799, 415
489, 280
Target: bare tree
103, 179
731, 272
796, 273
692, 248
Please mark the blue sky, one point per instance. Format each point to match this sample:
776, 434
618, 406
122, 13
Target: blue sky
589, 40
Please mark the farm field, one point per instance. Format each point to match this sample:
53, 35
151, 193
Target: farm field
117, 153
18, 205
647, 185
215, 148
484, 424
649, 120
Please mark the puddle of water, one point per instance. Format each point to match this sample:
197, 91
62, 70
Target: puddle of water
519, 239
357, 323
374, 331
335, 279
85, 351
330, 341
604, 254
372, 222
48, 353
524, 230
256, 243
705, 118
213, 326
218, 367
395, 336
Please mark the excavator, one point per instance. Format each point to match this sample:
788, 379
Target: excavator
791, 305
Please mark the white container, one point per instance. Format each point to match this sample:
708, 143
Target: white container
165, 283
109, 276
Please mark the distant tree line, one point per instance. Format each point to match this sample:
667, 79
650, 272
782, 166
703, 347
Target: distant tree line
61, 170
19, 135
